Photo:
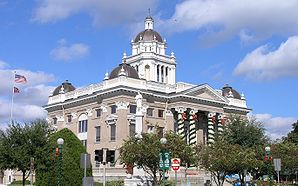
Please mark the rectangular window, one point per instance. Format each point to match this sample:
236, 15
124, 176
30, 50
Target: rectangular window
160, 113
69, 118
98, 155
150, 112
132, 109
113, 132
84, 142
55, 121
98, 112
132, 129
113, 109
97, 134
111, 157
160, 131
83, 126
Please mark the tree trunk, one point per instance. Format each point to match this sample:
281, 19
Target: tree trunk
154, 180
24, 177
242, 176
1, 176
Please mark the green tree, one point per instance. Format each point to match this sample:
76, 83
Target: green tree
250, 135
144, 152
293, 135
71, 173
246, 132
20, 143
240, 145
222, 158
288, 153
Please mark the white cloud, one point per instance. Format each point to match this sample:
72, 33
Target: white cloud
3, 64
27, 103
66, 53
227, 18
21, 112
102, 11
262, 64
276, 127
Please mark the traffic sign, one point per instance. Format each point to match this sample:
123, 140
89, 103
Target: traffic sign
164, 160
175, 163
277, 164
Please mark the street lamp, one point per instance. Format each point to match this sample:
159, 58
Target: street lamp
60, 142
164, 158
163, 140
268, 159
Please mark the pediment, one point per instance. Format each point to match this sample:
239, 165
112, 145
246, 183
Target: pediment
204, 92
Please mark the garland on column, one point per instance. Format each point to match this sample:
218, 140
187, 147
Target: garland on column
192, 128
211, 117
220, 121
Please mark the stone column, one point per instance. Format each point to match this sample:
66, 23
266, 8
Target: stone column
211, 117
169, 120
192, 128
139, 114
220, 124
180, 121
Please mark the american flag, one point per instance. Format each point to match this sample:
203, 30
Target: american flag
16, 90
20, 79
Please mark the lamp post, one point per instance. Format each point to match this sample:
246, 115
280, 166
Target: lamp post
268, 159
60, 142
164, 159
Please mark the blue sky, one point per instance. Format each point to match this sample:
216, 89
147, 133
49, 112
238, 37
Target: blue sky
251, 45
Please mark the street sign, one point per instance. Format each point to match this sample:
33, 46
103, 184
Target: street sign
164, 160
85, 161
277, 164
175, 163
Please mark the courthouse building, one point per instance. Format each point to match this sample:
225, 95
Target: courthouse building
141, 95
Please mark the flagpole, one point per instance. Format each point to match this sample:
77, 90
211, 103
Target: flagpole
11, 107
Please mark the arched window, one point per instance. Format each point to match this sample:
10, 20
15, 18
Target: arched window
162, 73
83, 123
166, 74
157, 73
147, 72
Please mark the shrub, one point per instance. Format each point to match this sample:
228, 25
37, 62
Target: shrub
71, 173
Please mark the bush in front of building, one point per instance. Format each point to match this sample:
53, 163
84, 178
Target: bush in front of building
19, 182
111, 183
70, 173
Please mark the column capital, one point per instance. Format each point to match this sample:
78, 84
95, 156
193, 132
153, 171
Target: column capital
192, 112
180, 109
211, 114
122, 105
221, 116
